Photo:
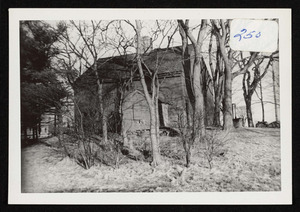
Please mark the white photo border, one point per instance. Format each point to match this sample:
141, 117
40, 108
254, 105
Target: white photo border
220, 198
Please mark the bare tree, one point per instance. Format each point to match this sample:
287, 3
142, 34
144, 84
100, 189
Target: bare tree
83, 51
222, 34
197, 81
250, 87
222, 37
152, 99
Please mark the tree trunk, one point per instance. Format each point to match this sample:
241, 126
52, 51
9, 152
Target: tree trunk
123, 129
204, 91
199, 116
217, 122
36, 132
39, 128
33, 134
60, 126
187, 148
218, 100
153, 135
186, 64
262, 103
101, 107
188, 114
274, 92
157, 124
55, 127
249, 111
25, 133
227, 100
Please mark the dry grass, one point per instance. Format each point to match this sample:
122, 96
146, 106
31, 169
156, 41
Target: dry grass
251, 162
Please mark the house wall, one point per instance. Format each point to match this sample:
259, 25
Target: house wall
136, 115
172, 92
135, 110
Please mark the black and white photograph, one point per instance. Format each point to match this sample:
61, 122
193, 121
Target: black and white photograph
140, 105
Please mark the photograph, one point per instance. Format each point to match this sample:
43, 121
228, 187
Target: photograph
140, 105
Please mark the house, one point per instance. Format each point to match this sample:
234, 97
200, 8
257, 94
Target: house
48, 122
124, 101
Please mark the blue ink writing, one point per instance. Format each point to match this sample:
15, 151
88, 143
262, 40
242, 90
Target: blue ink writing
258, 35
247, 36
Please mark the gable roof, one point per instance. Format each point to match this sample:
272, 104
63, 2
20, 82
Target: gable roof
168, 63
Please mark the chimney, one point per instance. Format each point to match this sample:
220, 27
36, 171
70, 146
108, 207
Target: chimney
147, 45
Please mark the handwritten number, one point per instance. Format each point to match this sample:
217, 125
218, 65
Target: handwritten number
258, 35
247, 36
243, 31
237, 36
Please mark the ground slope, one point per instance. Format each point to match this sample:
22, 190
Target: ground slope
250, 161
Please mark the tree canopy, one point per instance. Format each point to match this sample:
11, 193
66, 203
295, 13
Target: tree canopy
40, 88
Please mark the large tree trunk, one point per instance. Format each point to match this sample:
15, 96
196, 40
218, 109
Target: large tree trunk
199, 115
227, 100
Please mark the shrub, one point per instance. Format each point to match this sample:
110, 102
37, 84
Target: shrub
214, 142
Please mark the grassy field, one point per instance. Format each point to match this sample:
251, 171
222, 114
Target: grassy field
249, 161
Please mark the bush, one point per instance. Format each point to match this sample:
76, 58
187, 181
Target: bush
261, 124
275, 124
214, 145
